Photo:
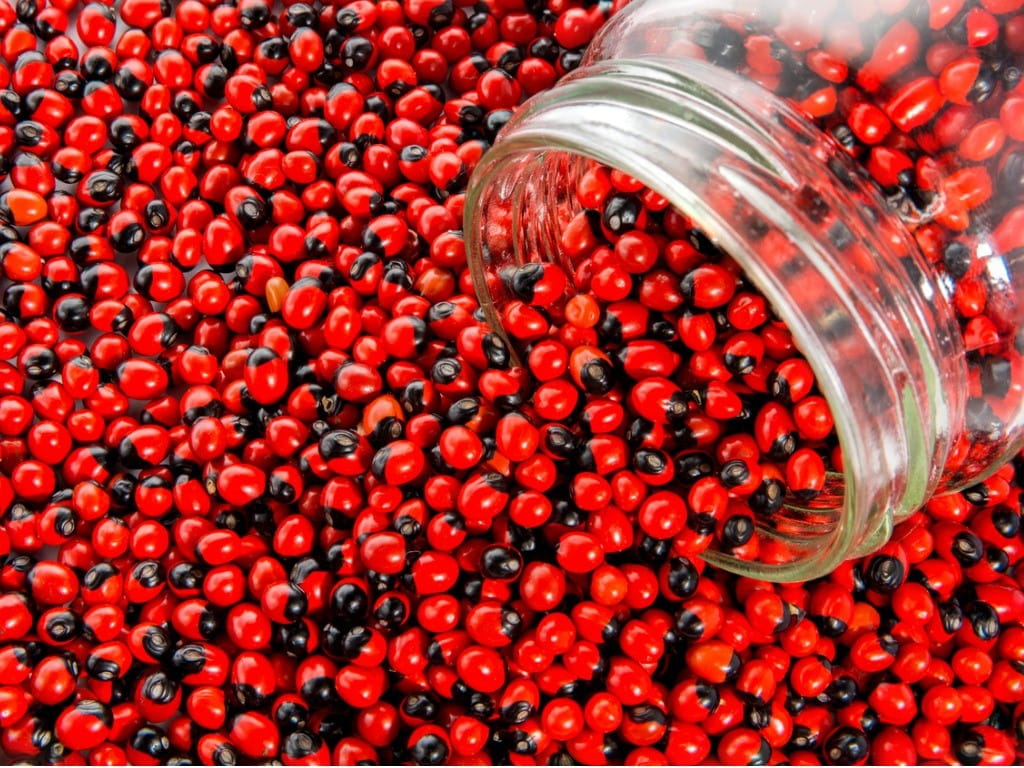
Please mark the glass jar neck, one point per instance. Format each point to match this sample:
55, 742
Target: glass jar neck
810, 232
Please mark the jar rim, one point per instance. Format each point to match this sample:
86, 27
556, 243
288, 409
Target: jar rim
713, 107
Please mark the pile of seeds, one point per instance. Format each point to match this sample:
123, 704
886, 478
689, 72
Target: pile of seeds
699, 414
272, 491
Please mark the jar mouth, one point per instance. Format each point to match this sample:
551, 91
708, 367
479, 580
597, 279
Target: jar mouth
885, 379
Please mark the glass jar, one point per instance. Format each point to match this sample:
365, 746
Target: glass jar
862, 163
